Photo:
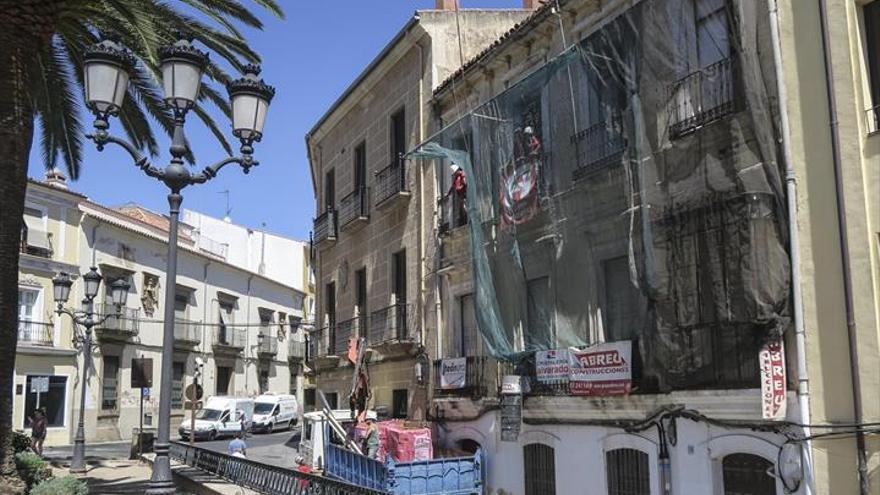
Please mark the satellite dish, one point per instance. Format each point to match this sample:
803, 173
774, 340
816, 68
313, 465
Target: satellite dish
791, 465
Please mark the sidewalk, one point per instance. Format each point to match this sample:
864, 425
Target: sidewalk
113, 476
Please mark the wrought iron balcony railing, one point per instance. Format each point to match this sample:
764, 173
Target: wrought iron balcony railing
452, 213
354, 207
344, 330
187, 332
230, 337
390, 324
127, 324
702, 97
296, 350
325, 227
267, 345
480, 380
35, 333
391, 182
599, 146
319, 342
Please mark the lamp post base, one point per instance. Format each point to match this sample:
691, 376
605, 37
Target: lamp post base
78, 461
161, 482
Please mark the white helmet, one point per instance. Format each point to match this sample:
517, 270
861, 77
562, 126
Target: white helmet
454, 168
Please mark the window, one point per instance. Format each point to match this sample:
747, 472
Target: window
399, 288
224, 379
399, 403
181, 304
466, 342
360, 165
110, 384
35, 238
539, 469
330, 310
27, 302
747, 474
266, 318
623, 307
361, 288
332, 399
177, 372
539, 317
226, 318
329, 190
398, 134
264, 380
627, 472
54, 400
872, 44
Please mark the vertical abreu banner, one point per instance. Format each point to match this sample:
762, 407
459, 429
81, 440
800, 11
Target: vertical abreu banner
771, 359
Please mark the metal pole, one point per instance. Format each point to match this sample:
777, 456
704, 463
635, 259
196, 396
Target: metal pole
192, 410
161, 482
78, 462
141, 426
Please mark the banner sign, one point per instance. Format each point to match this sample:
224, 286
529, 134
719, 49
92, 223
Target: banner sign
552, 366
604, 369
453, 373
771, 359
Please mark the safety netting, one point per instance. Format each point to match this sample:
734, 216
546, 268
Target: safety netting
630, 190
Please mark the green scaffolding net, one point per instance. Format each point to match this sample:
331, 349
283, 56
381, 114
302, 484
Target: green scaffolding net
630, 189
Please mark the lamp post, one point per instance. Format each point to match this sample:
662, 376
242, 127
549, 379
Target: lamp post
86, 318
107, 66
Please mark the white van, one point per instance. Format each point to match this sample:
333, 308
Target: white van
221, 416
316, 431
273, 412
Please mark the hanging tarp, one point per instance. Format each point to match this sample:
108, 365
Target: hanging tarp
630, 190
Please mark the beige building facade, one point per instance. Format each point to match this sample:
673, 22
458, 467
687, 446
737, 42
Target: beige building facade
375, 211
246, 328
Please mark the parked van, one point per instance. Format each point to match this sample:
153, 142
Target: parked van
316, 432
273, 412
221, 416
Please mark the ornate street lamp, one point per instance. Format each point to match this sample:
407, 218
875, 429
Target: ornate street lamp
182, 66
87, 319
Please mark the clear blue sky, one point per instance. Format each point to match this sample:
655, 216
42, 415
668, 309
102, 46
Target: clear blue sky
310, 58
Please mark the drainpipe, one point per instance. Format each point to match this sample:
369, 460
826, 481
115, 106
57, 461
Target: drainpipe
247, 328
421, 186
844, 251
803, 378
206, 303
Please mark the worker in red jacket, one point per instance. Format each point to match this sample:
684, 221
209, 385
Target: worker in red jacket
458, 190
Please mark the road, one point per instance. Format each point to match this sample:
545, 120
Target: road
278, 449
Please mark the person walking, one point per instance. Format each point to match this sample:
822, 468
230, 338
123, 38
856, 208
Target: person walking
39, 424
237, 447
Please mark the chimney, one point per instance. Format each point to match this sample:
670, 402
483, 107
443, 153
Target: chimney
532, 4
56, 179
446, 4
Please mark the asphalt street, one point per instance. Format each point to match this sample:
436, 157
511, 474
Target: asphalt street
277, 449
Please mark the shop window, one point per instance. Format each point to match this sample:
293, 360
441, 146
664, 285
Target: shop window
54, 401
627, 472
110, 384
539, 469
747, 474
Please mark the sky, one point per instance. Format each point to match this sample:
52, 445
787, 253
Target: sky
310, 58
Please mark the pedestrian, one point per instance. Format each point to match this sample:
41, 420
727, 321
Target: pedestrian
237, 447
39, 423
242, 422
372, 439
304, 468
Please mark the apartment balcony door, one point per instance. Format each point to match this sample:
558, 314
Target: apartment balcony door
399, 287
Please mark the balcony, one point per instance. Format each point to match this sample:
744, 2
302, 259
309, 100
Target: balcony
123, 327
873, 119
390, 327
481, 379
452, 214
325, 228
391, 187
702, 97
296, 351
35, 333
187, 333
356, 327
230, 340
599, 146
354, 209
322, 348
35, 242
267, 346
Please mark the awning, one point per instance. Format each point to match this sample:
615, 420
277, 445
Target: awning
36, 234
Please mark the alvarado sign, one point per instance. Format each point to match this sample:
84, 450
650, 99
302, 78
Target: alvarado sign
604, 369
552, 366
452, 373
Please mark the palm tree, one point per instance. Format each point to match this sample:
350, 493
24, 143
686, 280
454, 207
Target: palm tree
42, 43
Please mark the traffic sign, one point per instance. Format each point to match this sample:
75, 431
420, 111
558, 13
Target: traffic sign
39, 384
191, 389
